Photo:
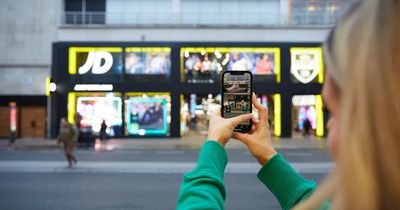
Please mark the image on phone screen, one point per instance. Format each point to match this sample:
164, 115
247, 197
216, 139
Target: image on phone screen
236, 93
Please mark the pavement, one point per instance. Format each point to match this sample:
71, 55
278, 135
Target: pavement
147, 179
189, 142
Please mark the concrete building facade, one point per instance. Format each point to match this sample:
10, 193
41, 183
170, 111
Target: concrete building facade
29, 28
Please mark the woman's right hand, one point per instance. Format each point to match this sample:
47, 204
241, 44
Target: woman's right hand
258, 140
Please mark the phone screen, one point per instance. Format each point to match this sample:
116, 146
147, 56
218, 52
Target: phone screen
236, 93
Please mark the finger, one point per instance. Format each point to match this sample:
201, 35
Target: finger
262, 111
258, 106
240, 119
216, 111
255, 121
242, 137
255, 118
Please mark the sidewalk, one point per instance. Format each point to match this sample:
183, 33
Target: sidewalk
191, 142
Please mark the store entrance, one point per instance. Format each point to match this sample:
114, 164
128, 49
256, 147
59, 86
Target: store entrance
307, 116
33, 122
195, 113
5, 121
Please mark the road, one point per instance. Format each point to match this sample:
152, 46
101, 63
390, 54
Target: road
133, 179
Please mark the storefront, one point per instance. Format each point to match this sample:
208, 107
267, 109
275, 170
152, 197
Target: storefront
29, 116
167, 89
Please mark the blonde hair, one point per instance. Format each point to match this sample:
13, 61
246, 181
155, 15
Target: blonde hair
364, 64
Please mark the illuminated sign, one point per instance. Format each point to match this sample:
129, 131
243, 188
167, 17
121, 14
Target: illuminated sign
96, 60
277, 115
306, 64
13, 117
303, 100
93, 87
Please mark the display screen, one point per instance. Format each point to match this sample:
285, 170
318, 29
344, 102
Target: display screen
148, 61
93, 110
146, 116
205, 65
236, 95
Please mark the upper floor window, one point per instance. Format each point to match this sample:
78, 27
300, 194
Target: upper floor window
84, 11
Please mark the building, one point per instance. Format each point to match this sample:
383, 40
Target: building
41, 37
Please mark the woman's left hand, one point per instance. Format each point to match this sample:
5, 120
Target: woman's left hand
221, 129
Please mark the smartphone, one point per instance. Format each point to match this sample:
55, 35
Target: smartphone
236, 96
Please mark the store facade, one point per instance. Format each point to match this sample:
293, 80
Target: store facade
166, 89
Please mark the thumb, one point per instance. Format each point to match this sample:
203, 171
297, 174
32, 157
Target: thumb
216, 111
240, 119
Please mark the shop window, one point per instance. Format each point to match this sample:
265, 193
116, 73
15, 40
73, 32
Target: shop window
195, 112
148, 62
90, 109
147, 114
205, 65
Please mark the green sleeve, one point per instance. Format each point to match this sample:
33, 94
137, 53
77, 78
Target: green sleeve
285, 183
204, 188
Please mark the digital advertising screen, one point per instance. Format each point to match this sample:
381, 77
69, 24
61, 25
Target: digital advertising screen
205, 65
92, 110
90, 61
307, 65
148, 61
147, 115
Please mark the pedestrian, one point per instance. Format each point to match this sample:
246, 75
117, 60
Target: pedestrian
362, 56
306, 126
103, 128
68, 135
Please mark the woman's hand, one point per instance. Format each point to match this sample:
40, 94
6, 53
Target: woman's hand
221, 129
258, 141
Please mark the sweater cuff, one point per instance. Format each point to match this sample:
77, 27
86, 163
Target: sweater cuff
283, 181
212, 158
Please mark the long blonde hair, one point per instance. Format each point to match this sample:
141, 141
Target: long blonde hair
364, 63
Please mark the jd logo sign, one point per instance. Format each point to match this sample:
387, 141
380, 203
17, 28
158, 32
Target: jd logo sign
95, 62
99, 60
306, 63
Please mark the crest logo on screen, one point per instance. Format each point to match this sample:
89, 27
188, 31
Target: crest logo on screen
100, 62
305, 65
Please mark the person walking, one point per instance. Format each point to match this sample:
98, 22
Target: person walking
103, 128
68, 135
362, 58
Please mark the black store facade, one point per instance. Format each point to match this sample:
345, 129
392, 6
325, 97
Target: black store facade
166, 89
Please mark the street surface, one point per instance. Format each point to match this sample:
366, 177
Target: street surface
133, 179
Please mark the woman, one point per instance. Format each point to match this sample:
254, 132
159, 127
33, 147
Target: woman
68, 136
362, 58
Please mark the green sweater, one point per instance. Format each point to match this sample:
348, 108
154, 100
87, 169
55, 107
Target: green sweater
204, 188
